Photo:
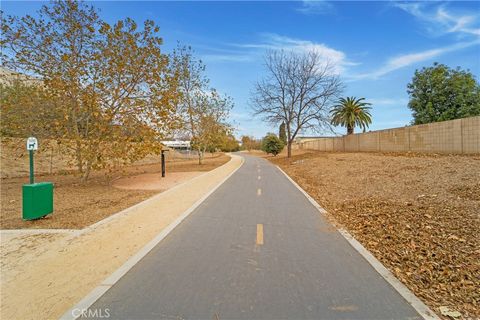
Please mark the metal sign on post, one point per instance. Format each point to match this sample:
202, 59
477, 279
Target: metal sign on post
32, 145
37, 198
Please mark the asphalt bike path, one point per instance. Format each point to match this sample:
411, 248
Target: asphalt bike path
254, 249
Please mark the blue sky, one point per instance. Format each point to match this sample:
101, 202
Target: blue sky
376, 46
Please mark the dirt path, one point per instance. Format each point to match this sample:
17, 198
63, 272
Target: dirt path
154, 181
43, 280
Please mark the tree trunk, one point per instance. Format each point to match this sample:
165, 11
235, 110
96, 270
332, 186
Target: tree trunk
86, 173
289, 149
200, 155
78, 151
203, 153
349, 130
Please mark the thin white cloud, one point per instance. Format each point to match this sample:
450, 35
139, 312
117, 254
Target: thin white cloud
387, 101
406, 60
311, 7
440, 20
463, 24
272, 41
255, 51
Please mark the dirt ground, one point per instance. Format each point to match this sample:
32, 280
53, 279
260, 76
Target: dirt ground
78, 205
51, 158
154, 181
418, 214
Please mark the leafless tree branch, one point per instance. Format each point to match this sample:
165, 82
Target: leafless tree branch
299, 89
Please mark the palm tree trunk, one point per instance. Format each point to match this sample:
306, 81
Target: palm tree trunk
349, 130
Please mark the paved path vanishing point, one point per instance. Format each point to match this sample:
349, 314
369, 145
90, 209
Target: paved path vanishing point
255, 249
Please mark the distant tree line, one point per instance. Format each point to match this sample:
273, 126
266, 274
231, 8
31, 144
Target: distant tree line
250, 143
270, 144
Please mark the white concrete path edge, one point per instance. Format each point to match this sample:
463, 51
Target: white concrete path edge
76, 311
413, 300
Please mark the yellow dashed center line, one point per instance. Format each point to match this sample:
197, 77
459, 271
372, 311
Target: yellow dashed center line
259, 234
259, 192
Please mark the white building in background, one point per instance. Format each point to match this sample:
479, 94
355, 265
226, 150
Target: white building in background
177, 145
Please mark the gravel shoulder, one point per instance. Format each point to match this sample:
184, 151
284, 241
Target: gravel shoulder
418, 214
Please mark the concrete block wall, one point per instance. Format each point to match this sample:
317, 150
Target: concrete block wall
471, 135
461, 136
437, 137
394, 140
320, 144
351, 143
329, 144
338, 144
369, 141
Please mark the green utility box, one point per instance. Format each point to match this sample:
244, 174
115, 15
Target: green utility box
37, 200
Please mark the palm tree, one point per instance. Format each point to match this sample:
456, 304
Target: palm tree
350, 112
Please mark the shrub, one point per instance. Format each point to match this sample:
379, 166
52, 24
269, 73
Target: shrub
272, 144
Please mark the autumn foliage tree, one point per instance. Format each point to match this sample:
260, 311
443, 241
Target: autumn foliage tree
230, 143
23, 103
115, 89
226, 142
250, 143
247, 143
202, 110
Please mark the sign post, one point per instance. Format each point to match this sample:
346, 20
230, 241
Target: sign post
37, 198
163, 163
32, 179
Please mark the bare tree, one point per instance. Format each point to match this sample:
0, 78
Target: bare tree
299, 89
